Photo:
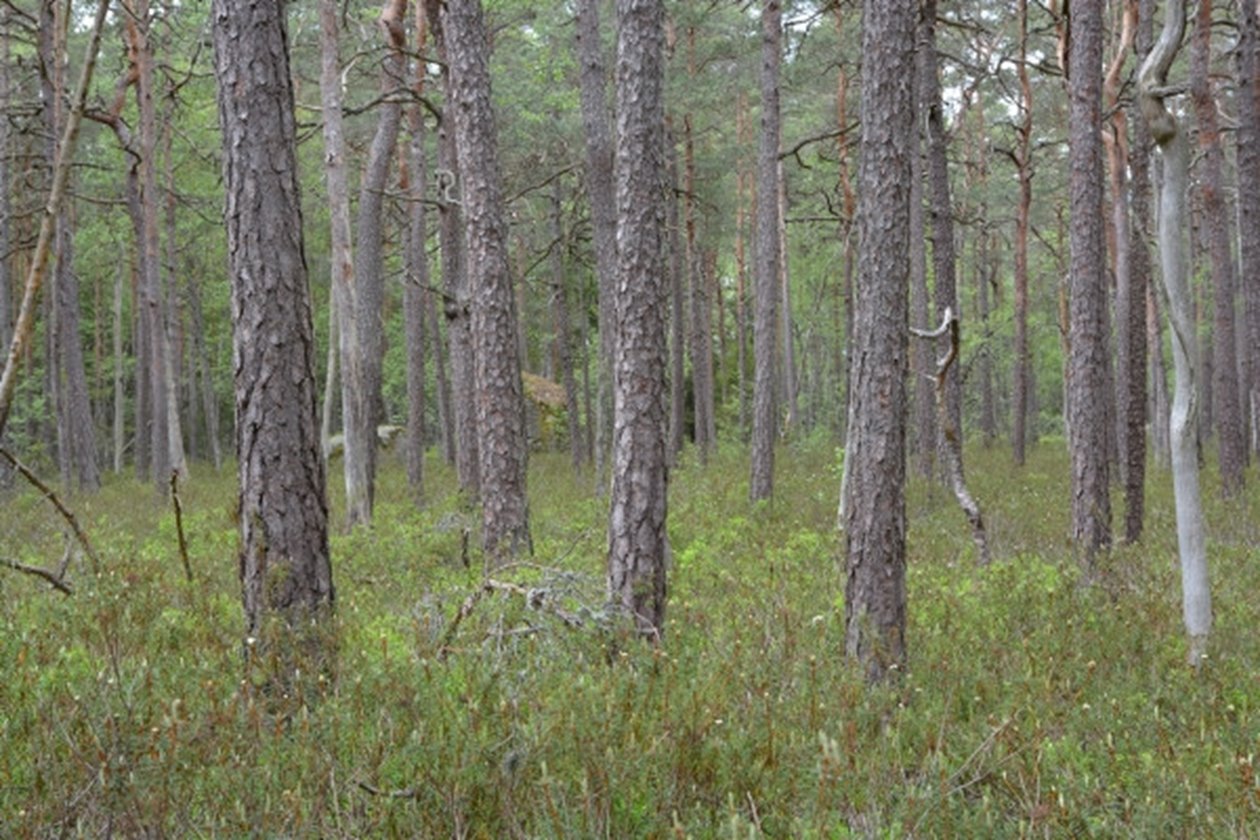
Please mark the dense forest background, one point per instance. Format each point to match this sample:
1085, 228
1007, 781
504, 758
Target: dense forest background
884, 303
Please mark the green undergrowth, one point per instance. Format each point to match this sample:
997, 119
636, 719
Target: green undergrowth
1030, 706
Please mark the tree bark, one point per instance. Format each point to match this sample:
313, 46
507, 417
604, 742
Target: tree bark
416, 289
677, 309
283, 511
497, 373
761, 480
944, 271
602, 197
1023, 212
359, 439
1248, 161
638, 544
921, 359
700, 347
563, 329
1191, 540
875, 512
1227, 413
1087, 400
6, 212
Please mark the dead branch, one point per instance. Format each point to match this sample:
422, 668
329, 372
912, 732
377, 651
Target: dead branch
179, 525
409, 793
952, 448
535, 598
51, 577
52, 497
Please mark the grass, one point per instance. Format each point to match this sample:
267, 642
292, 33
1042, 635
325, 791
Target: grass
1030, 706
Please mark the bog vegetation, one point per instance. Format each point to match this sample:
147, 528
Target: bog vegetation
1029, 705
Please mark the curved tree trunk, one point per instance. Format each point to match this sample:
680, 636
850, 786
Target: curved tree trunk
1191, 541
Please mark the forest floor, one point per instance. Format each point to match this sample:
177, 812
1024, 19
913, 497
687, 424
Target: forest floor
1030, 706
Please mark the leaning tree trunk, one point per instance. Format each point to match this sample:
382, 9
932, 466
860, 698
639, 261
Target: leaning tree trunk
1087, 360
638, 545
875, 503
761, 481
1229, 426
497, 373
1191, 540
283, 510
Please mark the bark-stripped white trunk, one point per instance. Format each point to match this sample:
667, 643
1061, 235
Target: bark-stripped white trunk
1191, 542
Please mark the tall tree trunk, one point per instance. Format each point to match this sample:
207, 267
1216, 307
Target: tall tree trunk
456, 294
359, 438
1191, 541
638, 545
1130, 416
698, 303
922, 361
677, 309
1248, 146
119, 424
789, 380
1133, 339
875, 503
369, 262
283, 510
1023, 211
497, 373
600, 193
416, 289
945, 284
209, 402
1087, 399
6, 210
564, 332
1227, 413
761, 481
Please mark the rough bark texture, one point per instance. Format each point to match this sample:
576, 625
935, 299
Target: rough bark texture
6, 280
497, 371
359, 436
283, 512
1226, 410
1130, 417
699, 339
416, 290
637, 541
1248, 99
875, 515
601, 194
761, 480
1191, 541
944, 270
921, 356
1087, 394
1134, 397
677, 311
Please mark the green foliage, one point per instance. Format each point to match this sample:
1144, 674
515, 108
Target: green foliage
1029, 706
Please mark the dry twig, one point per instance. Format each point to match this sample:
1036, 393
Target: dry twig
56, 502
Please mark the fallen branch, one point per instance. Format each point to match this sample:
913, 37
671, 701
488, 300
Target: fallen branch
52, 497
409, 793
51, 577
952, 450
535, 598
179, 525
